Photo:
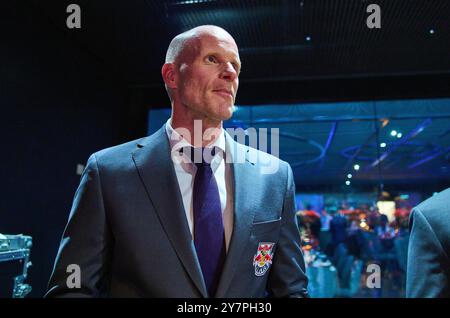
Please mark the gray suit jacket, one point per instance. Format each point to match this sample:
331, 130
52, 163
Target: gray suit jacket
128, 232
428, 272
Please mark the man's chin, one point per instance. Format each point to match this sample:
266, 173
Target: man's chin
228, 115
225, 113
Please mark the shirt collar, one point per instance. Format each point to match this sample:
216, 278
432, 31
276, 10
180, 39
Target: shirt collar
177, 141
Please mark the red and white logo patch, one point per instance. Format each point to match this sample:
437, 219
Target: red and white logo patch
263, 258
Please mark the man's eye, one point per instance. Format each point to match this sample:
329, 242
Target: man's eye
211, 59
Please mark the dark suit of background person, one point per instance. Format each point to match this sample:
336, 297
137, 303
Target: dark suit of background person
128, 228
338, 229
428, 269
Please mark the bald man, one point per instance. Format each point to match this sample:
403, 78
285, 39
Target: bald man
187, 211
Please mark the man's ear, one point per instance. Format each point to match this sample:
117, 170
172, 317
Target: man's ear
168, 74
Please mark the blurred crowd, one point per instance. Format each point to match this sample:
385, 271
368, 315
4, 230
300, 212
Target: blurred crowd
350, 238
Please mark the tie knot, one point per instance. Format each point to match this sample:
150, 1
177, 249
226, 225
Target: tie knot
200, 156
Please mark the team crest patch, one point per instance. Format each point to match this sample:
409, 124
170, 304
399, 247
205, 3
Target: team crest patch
263, 258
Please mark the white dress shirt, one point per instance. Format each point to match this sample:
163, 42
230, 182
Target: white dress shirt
185, 172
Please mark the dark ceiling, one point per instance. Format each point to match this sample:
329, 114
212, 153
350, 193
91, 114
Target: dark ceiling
296, 52
290, 49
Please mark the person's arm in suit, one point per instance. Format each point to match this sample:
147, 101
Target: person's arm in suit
86, 240
425, 269
287, 276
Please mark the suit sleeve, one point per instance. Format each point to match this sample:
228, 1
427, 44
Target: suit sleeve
425, 271
86, 242
287, 277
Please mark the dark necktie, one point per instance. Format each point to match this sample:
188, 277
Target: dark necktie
209, 235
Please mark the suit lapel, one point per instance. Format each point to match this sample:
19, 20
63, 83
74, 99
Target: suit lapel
244, 211
154, 164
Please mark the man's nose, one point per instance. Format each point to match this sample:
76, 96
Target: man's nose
228, 73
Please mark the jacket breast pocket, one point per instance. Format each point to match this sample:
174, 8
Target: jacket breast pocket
266, 227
